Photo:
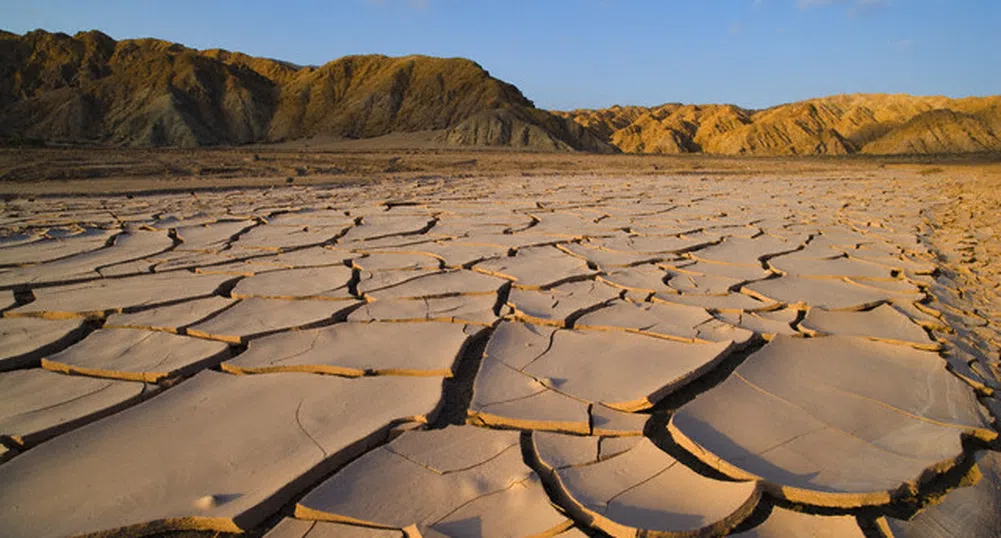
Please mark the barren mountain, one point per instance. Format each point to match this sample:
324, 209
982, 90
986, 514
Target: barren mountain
837, 125
146, 92
89, 88
137, 92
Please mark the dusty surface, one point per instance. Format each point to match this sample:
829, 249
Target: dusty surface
791, 351
39, 171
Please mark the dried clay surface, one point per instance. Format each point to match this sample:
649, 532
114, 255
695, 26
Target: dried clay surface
566, 356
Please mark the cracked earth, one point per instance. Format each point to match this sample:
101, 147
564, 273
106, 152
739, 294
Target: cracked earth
529, 357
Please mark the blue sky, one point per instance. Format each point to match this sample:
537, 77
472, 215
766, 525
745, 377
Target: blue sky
594, 53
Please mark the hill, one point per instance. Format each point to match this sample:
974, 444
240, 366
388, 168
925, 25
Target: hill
90, 88
147, 92
836, 125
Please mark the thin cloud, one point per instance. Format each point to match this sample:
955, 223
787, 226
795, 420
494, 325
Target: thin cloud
858, 4
419, 5
903, 46
855, 8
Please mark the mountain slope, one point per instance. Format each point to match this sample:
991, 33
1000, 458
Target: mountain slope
89, 88
525, 128
836, 125
944, 131
146, 92
136, 92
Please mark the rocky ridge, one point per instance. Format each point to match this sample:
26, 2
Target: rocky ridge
877, 124
90, 88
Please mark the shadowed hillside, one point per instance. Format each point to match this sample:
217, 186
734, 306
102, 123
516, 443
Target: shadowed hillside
136, 92
146, 92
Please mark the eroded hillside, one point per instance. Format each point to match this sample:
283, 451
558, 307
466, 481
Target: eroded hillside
837, 125
89, 88
147, 92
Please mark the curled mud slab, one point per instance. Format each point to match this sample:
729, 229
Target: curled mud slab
636, 488
217, 452
472, 481
816, 420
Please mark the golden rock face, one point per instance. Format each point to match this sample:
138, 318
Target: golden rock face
837, 125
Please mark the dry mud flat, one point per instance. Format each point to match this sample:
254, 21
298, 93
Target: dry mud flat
521, 357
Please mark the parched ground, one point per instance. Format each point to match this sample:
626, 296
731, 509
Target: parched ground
802, 349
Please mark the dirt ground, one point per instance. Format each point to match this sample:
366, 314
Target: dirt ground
173, 277
970, 181
45, 171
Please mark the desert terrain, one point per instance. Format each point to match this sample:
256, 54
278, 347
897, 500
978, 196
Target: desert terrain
392, 297
288, 342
